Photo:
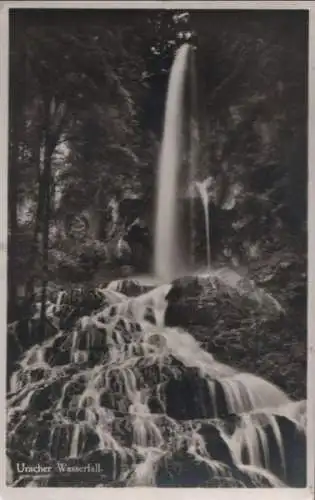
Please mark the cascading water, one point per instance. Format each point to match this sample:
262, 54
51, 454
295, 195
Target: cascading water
119, 388
168, 258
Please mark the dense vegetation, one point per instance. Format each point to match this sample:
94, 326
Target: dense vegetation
87, 93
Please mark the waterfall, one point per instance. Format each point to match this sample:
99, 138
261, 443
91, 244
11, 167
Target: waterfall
119, 388
168, 257
203, 192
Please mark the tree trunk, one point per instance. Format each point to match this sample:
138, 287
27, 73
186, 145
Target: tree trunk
12, 246
46, 203
13, 225
52, 131
34, 251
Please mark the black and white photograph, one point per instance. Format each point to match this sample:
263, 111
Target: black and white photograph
157, 242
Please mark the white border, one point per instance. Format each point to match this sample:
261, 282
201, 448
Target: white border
158, 493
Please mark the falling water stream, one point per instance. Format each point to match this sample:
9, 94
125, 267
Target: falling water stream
168, 260
203, 191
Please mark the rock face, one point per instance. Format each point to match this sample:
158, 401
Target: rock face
116, 393
204, 299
